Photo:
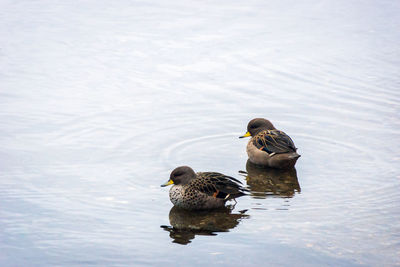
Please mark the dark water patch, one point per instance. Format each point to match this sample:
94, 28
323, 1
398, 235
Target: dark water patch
185, 225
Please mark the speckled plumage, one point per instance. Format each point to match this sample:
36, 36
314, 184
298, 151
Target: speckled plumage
204, 190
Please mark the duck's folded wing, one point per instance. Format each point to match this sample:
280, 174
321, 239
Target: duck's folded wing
274, 141
218, 185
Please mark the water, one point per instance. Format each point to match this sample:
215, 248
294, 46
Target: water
100, 100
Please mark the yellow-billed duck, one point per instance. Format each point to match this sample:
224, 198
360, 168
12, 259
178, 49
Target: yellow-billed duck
269, 146
202, 190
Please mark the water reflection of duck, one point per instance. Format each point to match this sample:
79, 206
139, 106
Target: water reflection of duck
269, 146
186, 224
268, 181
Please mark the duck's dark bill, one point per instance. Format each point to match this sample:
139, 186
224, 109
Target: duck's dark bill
245, 135
167, 183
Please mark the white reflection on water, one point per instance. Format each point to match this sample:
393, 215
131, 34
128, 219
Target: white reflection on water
100, 100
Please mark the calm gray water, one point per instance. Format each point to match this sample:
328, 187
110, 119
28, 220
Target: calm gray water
100, 100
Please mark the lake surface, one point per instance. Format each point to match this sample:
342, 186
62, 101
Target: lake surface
100, 100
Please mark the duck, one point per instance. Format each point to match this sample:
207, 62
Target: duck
268, 146
202, 190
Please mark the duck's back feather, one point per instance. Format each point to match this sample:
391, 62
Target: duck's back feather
274, 141
218, 185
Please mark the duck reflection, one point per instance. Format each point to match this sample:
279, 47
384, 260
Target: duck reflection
263, 181
185, 225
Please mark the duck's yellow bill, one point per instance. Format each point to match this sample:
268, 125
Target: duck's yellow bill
245, 135
167, 183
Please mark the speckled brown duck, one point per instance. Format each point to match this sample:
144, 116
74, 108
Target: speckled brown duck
268, 146
202, 191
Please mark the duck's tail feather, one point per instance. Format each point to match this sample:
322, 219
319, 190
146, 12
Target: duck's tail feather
294, 156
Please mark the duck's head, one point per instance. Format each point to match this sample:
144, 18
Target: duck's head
257, 125
180, 176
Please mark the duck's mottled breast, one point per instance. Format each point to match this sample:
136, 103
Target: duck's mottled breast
187, 197
176, 194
